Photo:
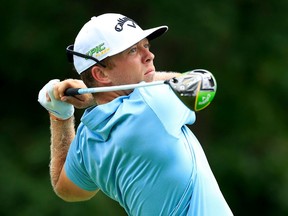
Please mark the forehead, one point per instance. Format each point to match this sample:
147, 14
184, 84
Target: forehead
124, 54
143, 41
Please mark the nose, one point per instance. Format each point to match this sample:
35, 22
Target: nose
148, 56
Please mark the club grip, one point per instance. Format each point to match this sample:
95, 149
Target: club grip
71, 91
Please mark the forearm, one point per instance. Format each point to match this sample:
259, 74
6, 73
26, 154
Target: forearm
165, 75
62, 134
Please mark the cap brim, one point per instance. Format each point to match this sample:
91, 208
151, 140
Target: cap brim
150, 34
156, 32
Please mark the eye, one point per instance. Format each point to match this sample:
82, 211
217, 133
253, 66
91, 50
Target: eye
147, 46
133, 49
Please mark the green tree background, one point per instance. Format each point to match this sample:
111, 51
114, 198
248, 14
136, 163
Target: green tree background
244, 43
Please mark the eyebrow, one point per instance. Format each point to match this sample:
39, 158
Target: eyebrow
127, 50
146, 40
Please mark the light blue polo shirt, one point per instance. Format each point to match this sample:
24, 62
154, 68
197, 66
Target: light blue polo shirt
138, 150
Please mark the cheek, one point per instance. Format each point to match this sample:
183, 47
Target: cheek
122, 77
129, 73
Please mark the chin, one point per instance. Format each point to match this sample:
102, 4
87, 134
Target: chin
149, 77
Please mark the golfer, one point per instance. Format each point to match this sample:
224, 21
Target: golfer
133, 145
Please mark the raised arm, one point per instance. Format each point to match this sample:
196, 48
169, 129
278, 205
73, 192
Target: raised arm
62, 134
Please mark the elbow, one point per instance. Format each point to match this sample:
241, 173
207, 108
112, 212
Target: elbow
68, 195
69, 192
70, 198
62, 194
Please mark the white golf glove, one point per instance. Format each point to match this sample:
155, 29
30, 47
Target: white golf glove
60, 109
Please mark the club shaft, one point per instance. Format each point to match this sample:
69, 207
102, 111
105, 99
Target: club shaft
78, 91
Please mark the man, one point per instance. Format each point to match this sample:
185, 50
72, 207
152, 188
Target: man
134, 145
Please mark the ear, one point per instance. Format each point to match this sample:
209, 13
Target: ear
100, 75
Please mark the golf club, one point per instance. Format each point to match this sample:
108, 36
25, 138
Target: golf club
196, 88
78, 91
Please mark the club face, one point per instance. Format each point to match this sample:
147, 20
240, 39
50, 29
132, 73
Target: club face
195, 89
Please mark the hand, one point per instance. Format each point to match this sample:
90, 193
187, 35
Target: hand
78, 101
56, 107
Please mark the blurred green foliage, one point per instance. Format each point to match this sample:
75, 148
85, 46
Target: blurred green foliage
244, 43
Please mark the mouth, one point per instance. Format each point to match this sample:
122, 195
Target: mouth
150, 71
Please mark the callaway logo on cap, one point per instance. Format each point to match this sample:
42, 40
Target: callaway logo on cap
107, 35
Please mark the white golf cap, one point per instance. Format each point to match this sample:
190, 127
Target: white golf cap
107, 35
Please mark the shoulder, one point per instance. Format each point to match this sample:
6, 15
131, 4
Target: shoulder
166, 105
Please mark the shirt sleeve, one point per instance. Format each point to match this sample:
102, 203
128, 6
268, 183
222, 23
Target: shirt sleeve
75, 168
